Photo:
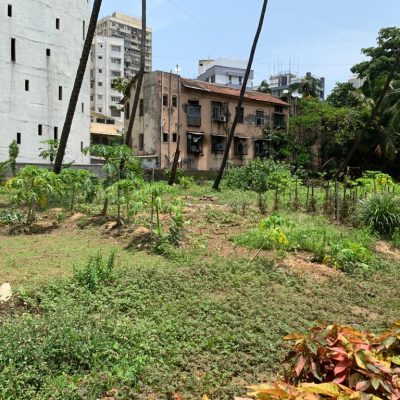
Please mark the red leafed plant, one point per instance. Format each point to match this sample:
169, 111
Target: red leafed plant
350, 358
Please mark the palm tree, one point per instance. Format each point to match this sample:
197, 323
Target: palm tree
308, 86
139, 77
77, 86
264, 87
241, 97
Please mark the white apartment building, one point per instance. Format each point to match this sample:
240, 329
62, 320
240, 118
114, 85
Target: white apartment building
106, 64
225, 72
41, 44
130, 30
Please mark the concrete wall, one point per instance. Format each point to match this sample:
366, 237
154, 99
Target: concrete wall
33, 26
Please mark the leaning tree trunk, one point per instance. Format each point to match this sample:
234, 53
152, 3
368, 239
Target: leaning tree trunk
373, 115
139, 76
172, 178
241, 97
80, 74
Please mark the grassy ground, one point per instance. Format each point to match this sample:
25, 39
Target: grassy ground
207, 318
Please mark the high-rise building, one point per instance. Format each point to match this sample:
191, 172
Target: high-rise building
225, 72
119, 25
41, 44
107, 63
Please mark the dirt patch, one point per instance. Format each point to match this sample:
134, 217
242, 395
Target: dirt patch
143, 239
302, 263
37, 228
384, 248
365, 313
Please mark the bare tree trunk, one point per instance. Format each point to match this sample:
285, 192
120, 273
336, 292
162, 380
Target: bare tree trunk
374, 114
175, 163
140, 76
80, 74
241, 97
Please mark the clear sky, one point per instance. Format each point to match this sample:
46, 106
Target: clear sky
321, 36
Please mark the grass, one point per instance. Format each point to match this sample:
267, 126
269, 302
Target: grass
193, 321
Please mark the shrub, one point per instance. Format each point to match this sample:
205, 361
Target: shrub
95, 272
10, 217
381, 212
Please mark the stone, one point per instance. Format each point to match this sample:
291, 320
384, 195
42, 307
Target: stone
5, 292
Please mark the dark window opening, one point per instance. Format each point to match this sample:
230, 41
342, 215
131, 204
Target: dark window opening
240, 147
9, 10
174, 137
194, 143
13, 50
165, 100
26, 85
278, 109
48, 52
165, 137
83, 107
60, 93
141, 141
83, 29
241, 116
194, 113
81, 146
57, 23
40, 130
279, 121
260, 118
55, 133
261, 148
141, 108
174, 101
18, 137
218, 144
219, 111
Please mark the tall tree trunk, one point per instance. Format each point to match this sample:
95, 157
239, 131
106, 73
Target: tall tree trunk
241, 97
80, 74
139, 76
374, 114
175, 163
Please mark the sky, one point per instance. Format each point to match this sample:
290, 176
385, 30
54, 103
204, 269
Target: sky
324, 37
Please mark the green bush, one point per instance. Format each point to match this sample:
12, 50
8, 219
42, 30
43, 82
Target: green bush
380, 212
95, 272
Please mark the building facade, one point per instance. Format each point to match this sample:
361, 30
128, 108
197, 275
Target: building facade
280, 83
225, 72
199, 115
106, 64
41, 44
129, 29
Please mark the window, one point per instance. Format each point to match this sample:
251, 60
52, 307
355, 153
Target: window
83, 29
115, 73
115, 99
174, 101
100, 57
81, 146
219, 111
218, 144
115, 60
174, 137
241, 116
213, 79
194, 143
55, 133
141, 108
141, 141
83, 107
26, 85
99, 83
165, 100
18, 137
48, 52
13, 51
115, 48
260, 119
40, 130
100, 97
240, 80
260, 148
240, 146
165, 137
100, 109
127, 110
100, 71
230, 78
279, 121
115, 112
278, 109
194, 113
60, 93
9, 10
57, 23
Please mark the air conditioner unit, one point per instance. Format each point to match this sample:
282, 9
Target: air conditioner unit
219, 147
221, 118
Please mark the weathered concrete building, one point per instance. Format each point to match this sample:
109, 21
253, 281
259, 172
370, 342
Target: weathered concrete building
41, 44
200, 115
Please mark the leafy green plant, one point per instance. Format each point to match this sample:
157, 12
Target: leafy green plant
13, 152
380, 212
10, 217
96, 272
50, 151
34, 185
